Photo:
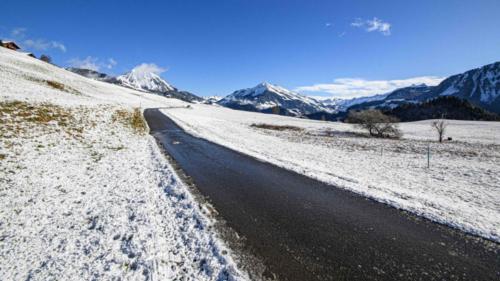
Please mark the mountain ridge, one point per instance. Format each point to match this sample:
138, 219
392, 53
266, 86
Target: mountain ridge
269, 98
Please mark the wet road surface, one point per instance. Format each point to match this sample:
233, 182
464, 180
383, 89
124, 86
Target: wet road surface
303, 229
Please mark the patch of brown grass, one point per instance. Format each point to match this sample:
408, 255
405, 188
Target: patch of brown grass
55, 85
132, 119
15, 115
276, 127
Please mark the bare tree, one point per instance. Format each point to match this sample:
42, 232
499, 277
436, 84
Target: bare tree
376, 123
46, 58
440, 127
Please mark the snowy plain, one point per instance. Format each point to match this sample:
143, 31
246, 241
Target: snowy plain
84, 195
461, 188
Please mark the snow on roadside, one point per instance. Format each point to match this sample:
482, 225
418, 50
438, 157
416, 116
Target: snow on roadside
85, 192
460, 189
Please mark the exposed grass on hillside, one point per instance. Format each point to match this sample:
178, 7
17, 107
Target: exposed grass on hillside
55, 85
276, 127
17, 117
132, 119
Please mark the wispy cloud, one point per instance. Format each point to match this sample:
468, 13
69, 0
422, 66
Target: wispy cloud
374, 24
357, 87
328, 24
18, 32
92, 63
111, 63
43, 45
145, 68
86, 63
19, 35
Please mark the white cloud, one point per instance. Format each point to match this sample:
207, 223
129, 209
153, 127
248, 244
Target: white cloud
357, 87
111, 63
92, 63
373, 25
145, 68
87, 63
43, 45
18, 32
328, 24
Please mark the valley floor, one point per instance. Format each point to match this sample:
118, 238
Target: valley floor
461, 187
85, 191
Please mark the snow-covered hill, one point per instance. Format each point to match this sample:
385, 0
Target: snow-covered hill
85, 192
270, 98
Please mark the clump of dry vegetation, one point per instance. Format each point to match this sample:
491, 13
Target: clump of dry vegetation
14, 116
276, 127
132, 119
22, 122
55, 85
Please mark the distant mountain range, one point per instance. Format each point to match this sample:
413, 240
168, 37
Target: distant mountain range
142, 81
480, 87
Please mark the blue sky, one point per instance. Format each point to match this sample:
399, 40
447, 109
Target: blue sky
322, 48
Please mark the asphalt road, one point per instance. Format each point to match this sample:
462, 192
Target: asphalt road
303, 229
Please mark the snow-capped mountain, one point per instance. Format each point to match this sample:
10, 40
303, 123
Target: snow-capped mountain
270, 98
212, 99
153, 83
145, 81
337, 104
480, 86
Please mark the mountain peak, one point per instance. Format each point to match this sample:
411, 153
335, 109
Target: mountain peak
145, 81
265, 97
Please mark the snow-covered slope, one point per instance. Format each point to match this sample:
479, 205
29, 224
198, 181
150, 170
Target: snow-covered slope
266, 97
85, 194
145, 81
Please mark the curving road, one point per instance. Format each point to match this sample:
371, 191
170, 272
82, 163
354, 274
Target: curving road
303, 229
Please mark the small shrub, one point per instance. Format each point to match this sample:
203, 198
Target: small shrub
46, 58
376, 123
132, 119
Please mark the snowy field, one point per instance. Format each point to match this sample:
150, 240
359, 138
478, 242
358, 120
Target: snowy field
461, 188
84, 191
